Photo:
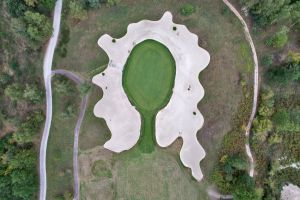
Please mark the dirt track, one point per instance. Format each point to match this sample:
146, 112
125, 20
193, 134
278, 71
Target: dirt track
255, 86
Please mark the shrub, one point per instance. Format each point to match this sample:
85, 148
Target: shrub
261, 128
284, 74
187, 9
14, 92
33, 93
112, 2
279, 39
93, 3
38, 26
16, 8
77, 11
267, 60
287, 121
294, 57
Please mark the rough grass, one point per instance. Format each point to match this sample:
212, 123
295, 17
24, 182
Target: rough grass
94, 131
154, 176
60, 145
219, 32
148, 79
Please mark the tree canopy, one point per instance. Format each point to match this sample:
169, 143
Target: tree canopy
38, 27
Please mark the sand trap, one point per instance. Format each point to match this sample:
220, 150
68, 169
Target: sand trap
290, 192
180, 118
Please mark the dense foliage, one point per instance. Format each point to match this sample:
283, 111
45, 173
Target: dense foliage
24, 28
285, 73
266, 12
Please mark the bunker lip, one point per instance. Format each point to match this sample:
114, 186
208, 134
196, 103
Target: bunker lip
180, 117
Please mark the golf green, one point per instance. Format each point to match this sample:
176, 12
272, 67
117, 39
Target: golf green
148, 80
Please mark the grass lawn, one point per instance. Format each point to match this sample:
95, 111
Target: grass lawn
148, 79
60, 143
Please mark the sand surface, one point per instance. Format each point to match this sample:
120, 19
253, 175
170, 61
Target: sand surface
180, 118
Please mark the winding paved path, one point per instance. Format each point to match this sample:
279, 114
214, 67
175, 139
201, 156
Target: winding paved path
47, 79
255, 87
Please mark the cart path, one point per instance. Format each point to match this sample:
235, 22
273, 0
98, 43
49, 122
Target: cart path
83, 107
255, 86
47, 65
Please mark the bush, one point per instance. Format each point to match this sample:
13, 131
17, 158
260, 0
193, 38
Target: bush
287, 121
279, 39
38, 27
33, 93
16, 8
93, 3
14, 92
267, 60
77, 11
284, 74
261, 128
187, 9
112, 2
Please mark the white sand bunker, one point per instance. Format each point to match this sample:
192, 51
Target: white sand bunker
180, 118
290, 192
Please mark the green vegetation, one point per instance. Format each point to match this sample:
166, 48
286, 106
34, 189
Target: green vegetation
285, 74
230, 174
17, 181
77, 10
187, 9
276, 11
24, 28
61, 139
279, 39
38, 27
148, 79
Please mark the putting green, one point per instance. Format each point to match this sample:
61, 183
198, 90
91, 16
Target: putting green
148, 79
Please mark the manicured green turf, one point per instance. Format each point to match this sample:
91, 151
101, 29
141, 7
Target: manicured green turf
148, 79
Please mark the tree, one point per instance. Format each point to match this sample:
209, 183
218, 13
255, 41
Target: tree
294, 57
33, 93
261, 127
279, 39
93, 3
47, 4
29, 128
265, 110
5, 79
38, 27
287, 121
244, 189
187, 9
14, 92
272, 11
31, 3
112, 2
16, 8
77, 11
284, 74
266, 107
267, 60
